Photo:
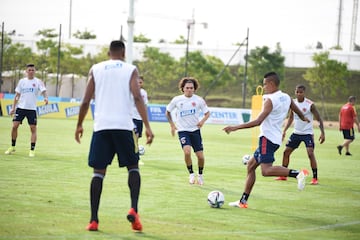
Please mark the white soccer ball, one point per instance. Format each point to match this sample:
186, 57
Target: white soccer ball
141, 150
216, 199
246, 159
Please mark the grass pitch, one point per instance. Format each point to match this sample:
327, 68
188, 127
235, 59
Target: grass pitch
47, 197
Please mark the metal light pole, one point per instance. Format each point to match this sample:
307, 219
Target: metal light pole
188, 25
58, 64
1, 53
245, 73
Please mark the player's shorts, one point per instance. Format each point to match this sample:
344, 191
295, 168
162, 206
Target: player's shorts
349, 134
265, 151
191, 138
20, 114
138, 127
106, 143
295, 140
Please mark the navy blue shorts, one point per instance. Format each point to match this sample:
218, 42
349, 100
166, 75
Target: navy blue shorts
265, 151
349, 134
106, 143
295, 140
191, 138
20, 114
138, 127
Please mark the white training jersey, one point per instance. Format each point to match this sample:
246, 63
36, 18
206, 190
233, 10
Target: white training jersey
188, 110
271, 126
113, 98
136, 114
29, 90
301, 127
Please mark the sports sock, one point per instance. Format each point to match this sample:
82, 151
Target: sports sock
134, 182
293, 173
32, 146
244, 197
13, 142
95, 194
190, 169
314, 170
201, 170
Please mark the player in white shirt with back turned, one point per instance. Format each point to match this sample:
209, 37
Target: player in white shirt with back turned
303, 132
188, 108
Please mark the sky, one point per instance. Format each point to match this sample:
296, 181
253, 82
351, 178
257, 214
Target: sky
295, 24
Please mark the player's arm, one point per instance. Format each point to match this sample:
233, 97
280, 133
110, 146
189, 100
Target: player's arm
44, 93
296, 110
171, 122
267, 108
288, 123
16, 99
141, 107
203, 120
84, 107
317, 116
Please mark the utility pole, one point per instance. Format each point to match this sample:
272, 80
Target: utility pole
130, 39
1, 53
246, 67
353, 25
339, 24
70, 19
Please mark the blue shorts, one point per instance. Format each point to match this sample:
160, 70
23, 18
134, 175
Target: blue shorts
265, 151
138, 127
295, 140
191, 138
106, 143
20, 114
349, 134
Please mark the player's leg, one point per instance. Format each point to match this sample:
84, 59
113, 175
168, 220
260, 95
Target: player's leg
186, 146
19, 116
197, 145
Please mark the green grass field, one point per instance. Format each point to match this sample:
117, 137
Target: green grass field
47, 197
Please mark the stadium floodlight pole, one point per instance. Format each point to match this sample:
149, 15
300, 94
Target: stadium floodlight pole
130, 40
188, 25
58, 64
70, 19
246, 67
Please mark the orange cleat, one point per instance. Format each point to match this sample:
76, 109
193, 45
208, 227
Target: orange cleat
314, 181
134, 218
92, 226
281, 178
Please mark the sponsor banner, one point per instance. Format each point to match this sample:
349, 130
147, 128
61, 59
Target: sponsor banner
68, 110
217, 115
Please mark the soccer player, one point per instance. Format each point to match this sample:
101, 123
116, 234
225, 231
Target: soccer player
113, 85
24, 105
136, 116
347, 118
276, 105
303, 131
188, 108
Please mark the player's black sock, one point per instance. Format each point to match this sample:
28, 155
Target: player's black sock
314, 170
134, 182
32, 146
293, 173
13, 142
244, 197
190, 169
201, 170
95, 194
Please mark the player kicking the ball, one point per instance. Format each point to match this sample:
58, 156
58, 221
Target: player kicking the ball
276, 105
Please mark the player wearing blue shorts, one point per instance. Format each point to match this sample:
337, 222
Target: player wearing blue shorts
186, 109
114, 85
303, 132
276, 105
24, 106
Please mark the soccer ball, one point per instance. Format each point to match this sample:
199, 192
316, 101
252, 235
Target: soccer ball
216, 199
245, 159
141, 150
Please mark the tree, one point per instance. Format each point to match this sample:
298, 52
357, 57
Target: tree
261, 61
180, 40
327, 78
84, 35
141, 38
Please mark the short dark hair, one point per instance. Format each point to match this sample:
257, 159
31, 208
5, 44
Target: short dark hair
117, 45
272, 76
352, 99
301, 87
30, 65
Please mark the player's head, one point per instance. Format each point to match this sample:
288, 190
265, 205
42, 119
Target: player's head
187, 80
117, 50
141, 80
271, 82
300, 91
352, 99
30, 70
